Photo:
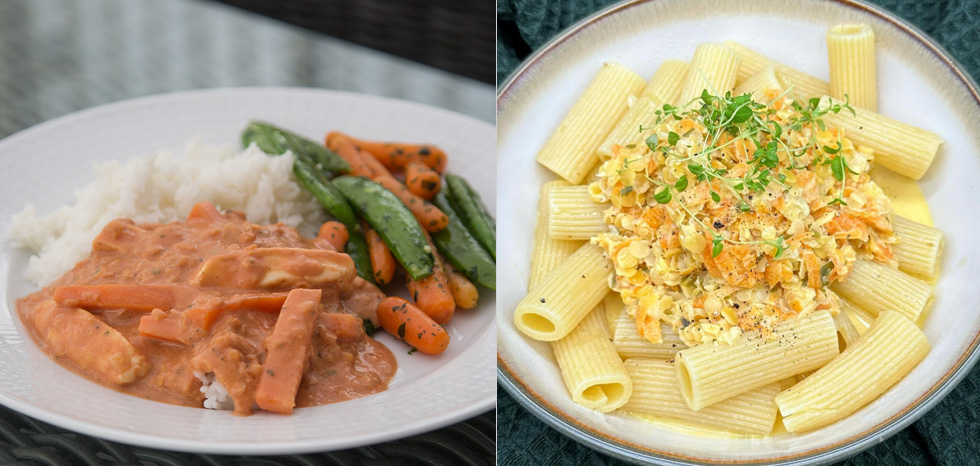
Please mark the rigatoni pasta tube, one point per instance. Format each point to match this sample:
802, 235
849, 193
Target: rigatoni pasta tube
655, 392
714, 68
665, 85
751, 62
627, 130
570, 152
859, 317
548, 253
846, 328
760, 84
889, 350
709, 373
901, 147
919, 247
573, 215
629, 343
877, 288
556, 305
851, 53
592, 371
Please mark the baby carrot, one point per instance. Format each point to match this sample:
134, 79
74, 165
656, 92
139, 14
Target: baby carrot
407, 322
335, 233
464, 291
429, 216
379, 169
432, 293
382, 262
421, 180
347, 151
331, 139
396, 155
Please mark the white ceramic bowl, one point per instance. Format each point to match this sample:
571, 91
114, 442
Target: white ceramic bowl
918, 83
44, 164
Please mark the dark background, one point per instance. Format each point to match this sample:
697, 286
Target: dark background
453, 35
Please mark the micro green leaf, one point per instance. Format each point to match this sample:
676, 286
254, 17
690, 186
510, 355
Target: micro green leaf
652, 141
663, 196
681, 184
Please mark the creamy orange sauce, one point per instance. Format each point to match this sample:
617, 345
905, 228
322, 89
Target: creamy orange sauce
219, 282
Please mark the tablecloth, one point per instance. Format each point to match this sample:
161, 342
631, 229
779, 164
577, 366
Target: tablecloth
948, 435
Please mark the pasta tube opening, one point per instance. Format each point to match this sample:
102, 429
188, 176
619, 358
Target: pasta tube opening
537, 322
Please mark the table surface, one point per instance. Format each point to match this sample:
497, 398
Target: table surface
62, 56
946, 435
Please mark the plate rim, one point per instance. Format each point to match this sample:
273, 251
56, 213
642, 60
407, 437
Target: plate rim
633, 453
79, 426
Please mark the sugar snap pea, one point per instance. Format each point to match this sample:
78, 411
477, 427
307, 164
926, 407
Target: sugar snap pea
392, 220
474, 214
462, 249
276, 141
331, 199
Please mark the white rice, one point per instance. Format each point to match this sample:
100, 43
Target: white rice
215, 394
159, 188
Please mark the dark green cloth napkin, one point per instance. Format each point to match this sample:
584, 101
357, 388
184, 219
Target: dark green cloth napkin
948, 435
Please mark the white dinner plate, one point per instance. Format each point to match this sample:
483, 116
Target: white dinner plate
46, 163
918, 83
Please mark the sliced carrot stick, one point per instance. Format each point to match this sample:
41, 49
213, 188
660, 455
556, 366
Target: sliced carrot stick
464, 291
396, 156
432, 293
169, 326
203, 314
429, 216
287, 351
421, 180
347, 151
335, 233
132, 297
204, 210
345, 326
407, 322
382, 261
